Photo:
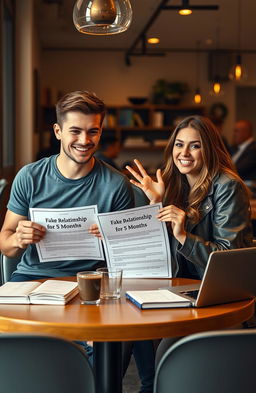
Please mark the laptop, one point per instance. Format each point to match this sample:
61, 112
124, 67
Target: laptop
230, 275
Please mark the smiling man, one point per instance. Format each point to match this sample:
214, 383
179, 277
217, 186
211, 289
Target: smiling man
74, 178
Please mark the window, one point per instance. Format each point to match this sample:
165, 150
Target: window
7, 105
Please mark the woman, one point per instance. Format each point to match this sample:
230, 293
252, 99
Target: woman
206, 204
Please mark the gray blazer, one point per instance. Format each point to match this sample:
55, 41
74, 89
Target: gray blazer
224, 224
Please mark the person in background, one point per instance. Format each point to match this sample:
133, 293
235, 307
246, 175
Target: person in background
109, 149
206, 204
244, 151
219, 125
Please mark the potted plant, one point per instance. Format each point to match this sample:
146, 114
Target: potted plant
171, 93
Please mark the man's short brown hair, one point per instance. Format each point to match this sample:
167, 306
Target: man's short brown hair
79, 101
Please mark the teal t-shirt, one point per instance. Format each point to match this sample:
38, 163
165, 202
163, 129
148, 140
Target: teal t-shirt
40, 184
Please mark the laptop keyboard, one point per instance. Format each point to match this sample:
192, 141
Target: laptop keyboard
192, 294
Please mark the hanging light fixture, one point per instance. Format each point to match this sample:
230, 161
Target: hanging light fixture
153, 40
238, 71
102, 17
197, 95
185, 9
216, 86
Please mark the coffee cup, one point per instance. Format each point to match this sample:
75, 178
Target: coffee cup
89, 284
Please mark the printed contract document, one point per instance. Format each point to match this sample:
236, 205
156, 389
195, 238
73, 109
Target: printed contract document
67, 235
136, 241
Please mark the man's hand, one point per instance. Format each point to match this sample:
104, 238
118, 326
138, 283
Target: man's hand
29, 232
94, 230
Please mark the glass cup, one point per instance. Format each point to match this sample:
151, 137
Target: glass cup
111, 282
89, 284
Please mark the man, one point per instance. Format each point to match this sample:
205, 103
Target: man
109, 150
74, 178
244, 154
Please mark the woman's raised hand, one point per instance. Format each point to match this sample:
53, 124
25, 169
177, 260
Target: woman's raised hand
154, 190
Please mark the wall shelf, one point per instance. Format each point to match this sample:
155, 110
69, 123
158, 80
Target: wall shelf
153, 124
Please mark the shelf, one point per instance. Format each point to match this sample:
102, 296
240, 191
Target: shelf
144, 148
146, 122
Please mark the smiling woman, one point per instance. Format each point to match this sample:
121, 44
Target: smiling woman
206, 203
187, 154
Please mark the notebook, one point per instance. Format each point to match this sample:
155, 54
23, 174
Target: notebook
230, 275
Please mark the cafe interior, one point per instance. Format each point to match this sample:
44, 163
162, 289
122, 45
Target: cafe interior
158, 62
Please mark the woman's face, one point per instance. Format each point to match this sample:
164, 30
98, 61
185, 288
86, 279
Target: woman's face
187, 153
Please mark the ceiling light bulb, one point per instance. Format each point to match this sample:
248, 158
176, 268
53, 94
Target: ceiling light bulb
153, 40
197, 97
102, 17
103, 12
185, 11
238, 71
216, 88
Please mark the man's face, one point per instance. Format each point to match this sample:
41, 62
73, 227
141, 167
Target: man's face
79, 136
242, 132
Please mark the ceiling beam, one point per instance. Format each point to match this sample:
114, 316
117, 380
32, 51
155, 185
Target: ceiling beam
144, 30
142, 36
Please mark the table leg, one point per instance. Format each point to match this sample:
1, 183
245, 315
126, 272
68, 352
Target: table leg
107, 361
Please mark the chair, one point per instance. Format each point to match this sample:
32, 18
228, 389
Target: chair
3, 185
7, 267
212, 362
42, 364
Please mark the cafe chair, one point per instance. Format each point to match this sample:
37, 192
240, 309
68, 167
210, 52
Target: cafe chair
43, 364
3, 185
211, 362
7, 267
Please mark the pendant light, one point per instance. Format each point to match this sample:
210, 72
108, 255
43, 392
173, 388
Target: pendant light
185, 9
102, 17
238, 71
216, 86
197, 95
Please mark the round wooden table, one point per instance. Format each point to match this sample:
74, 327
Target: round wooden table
114, 321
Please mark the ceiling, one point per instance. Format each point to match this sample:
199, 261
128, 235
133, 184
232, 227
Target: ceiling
206, 30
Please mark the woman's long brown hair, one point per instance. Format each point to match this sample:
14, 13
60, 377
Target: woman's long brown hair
216, 159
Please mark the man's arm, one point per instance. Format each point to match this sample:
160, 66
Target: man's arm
17, 233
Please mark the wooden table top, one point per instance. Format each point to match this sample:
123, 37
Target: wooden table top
121, 320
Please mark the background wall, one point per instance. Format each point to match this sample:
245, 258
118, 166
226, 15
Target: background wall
107, 75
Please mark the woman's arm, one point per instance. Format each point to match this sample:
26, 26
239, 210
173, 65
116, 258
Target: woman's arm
225, 225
